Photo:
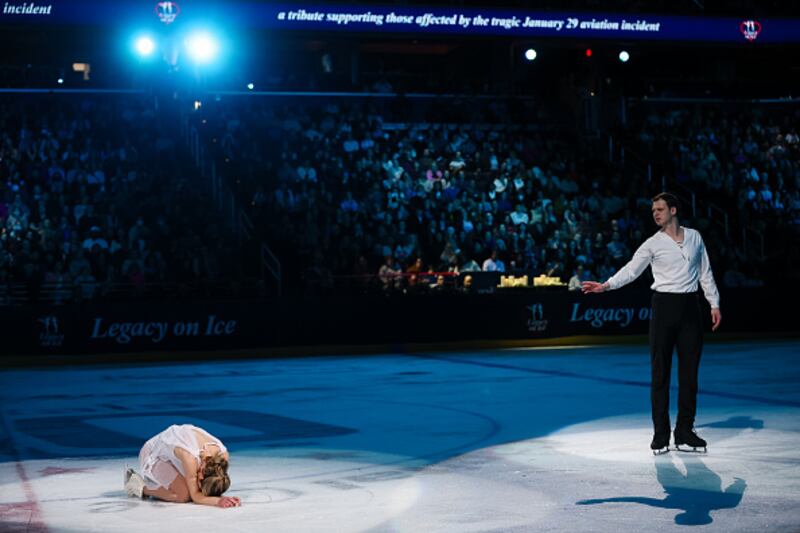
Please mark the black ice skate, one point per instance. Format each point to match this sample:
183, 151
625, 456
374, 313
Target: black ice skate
687, 438
660, 443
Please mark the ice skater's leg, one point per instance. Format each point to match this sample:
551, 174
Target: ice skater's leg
662, 344
169, 485
177, 492
690, 347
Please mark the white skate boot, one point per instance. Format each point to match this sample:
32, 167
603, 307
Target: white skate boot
134, 484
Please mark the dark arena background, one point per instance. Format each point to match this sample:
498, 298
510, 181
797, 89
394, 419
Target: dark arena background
349, 240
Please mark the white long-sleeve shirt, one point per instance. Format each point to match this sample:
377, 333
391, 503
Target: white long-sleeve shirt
677, 268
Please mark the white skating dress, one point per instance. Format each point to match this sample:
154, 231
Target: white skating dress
159, 465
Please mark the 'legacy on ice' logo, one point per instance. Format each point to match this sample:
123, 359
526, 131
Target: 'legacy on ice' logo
50, 336
167, 11
750, 29
537, 323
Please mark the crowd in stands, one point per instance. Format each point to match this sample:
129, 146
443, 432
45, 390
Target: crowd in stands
341, 191
94, 195
364, 193
347, 189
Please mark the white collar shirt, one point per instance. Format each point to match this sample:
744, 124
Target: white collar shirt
677, 268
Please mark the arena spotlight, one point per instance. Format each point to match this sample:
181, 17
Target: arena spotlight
530, 54
624, 56
250, 86
145, 45
202, 47
588, 52
60, 81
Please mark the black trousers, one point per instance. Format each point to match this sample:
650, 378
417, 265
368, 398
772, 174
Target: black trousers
675, 322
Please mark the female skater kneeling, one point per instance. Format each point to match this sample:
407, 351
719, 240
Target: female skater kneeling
182, 464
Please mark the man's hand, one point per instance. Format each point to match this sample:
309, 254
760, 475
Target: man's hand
592, 286
716, 318
229, 501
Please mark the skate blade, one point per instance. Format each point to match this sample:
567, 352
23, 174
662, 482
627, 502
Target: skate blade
128, 473
691, 449
661, 451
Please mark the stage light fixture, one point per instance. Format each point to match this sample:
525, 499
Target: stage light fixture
202, 47
588, 52
60, 81
250, 86
145, 45
530, 54
624, 56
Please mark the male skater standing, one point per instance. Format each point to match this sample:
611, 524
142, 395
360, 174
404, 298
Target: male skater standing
678, 258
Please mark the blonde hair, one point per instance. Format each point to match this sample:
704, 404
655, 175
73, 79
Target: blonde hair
215, 475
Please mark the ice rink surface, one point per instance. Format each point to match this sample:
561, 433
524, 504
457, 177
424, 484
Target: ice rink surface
513, 440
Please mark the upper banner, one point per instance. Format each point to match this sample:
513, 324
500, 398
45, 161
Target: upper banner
404, 19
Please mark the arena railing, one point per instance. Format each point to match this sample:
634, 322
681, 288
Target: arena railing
227, 203
749, 234
715, 213
17, 293
21, 293
477, 280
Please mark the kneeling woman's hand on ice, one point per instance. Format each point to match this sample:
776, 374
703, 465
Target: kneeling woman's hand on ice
229, 501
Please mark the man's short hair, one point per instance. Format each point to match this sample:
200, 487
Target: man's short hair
670, 199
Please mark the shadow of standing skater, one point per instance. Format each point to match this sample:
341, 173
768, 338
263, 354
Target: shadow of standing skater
696, 494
